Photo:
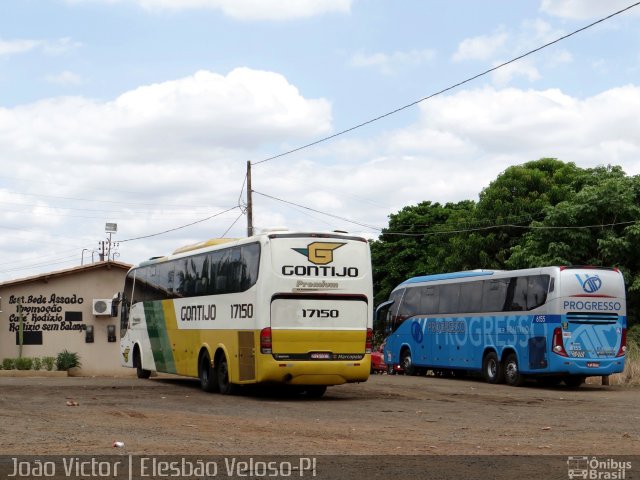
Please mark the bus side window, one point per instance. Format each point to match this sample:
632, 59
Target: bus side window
470, 297
429, 300
494, 295
410, 305
517, 295
164, 281
537, 291
236, 267
449, 298
222, 272
250, 265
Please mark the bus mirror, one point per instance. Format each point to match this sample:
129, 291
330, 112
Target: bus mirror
115, 303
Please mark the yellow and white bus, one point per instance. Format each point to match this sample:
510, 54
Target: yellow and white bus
279, 307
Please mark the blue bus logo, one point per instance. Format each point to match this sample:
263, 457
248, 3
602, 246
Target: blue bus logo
416, 332
590, 284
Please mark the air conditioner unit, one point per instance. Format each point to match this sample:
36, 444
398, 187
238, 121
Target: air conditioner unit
101, 306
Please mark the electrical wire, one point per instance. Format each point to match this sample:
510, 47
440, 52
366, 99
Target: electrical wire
444, 90
524, 227
451, 231
318, 211
231, 226
178, 228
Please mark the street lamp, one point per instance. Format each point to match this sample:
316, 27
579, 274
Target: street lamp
110, 228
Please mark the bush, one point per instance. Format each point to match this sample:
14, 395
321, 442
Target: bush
633, 335
8, 364
48, 363
24, 363
37, 363
66, 360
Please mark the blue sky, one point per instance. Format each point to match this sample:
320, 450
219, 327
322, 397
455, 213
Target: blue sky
145, 112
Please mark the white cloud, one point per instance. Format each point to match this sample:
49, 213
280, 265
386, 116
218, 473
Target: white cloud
246, 9
48, 47
168, 154
393, 62
502, 46
61, 46
522, 68
480, 48
64, 78
584, 9
11, 47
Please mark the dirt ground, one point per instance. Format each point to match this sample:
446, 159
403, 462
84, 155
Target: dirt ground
394, 415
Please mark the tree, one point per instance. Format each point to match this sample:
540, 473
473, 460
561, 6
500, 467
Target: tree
598, 226
418, 241
520, 195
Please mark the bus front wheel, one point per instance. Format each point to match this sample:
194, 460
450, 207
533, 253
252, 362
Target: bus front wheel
512, 375
222, 373
492, 369
140, 372
407, 363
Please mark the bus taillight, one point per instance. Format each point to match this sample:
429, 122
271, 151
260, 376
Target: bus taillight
558, 345
623, 344
265, 340
368, 346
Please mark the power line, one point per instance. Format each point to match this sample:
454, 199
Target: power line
318, 211
454, 231
525, 227
486, 72
231, 226
178, 228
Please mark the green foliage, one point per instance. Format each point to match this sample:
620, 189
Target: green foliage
404, 251
37, 363
544, 212
24, 363
66, 360
48, 363
633, 335
8, 364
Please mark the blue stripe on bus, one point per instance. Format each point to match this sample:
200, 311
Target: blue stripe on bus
447, 276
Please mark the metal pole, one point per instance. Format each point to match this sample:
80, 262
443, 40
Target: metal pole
249, 202
20, 329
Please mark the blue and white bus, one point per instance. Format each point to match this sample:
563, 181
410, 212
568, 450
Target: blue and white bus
553, 323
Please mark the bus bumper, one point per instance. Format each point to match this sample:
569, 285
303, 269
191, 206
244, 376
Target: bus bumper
300, 372
586, 367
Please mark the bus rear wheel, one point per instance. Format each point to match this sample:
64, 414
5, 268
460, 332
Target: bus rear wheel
140, 372
208, 380
315, 391
574, 381
225, 387
512, 375
491, 368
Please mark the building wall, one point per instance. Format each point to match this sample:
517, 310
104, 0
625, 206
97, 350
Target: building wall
57, 311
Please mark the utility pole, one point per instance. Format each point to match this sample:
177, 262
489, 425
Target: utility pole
249, 201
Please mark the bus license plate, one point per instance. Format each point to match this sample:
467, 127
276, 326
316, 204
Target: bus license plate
320, 356
593, 364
